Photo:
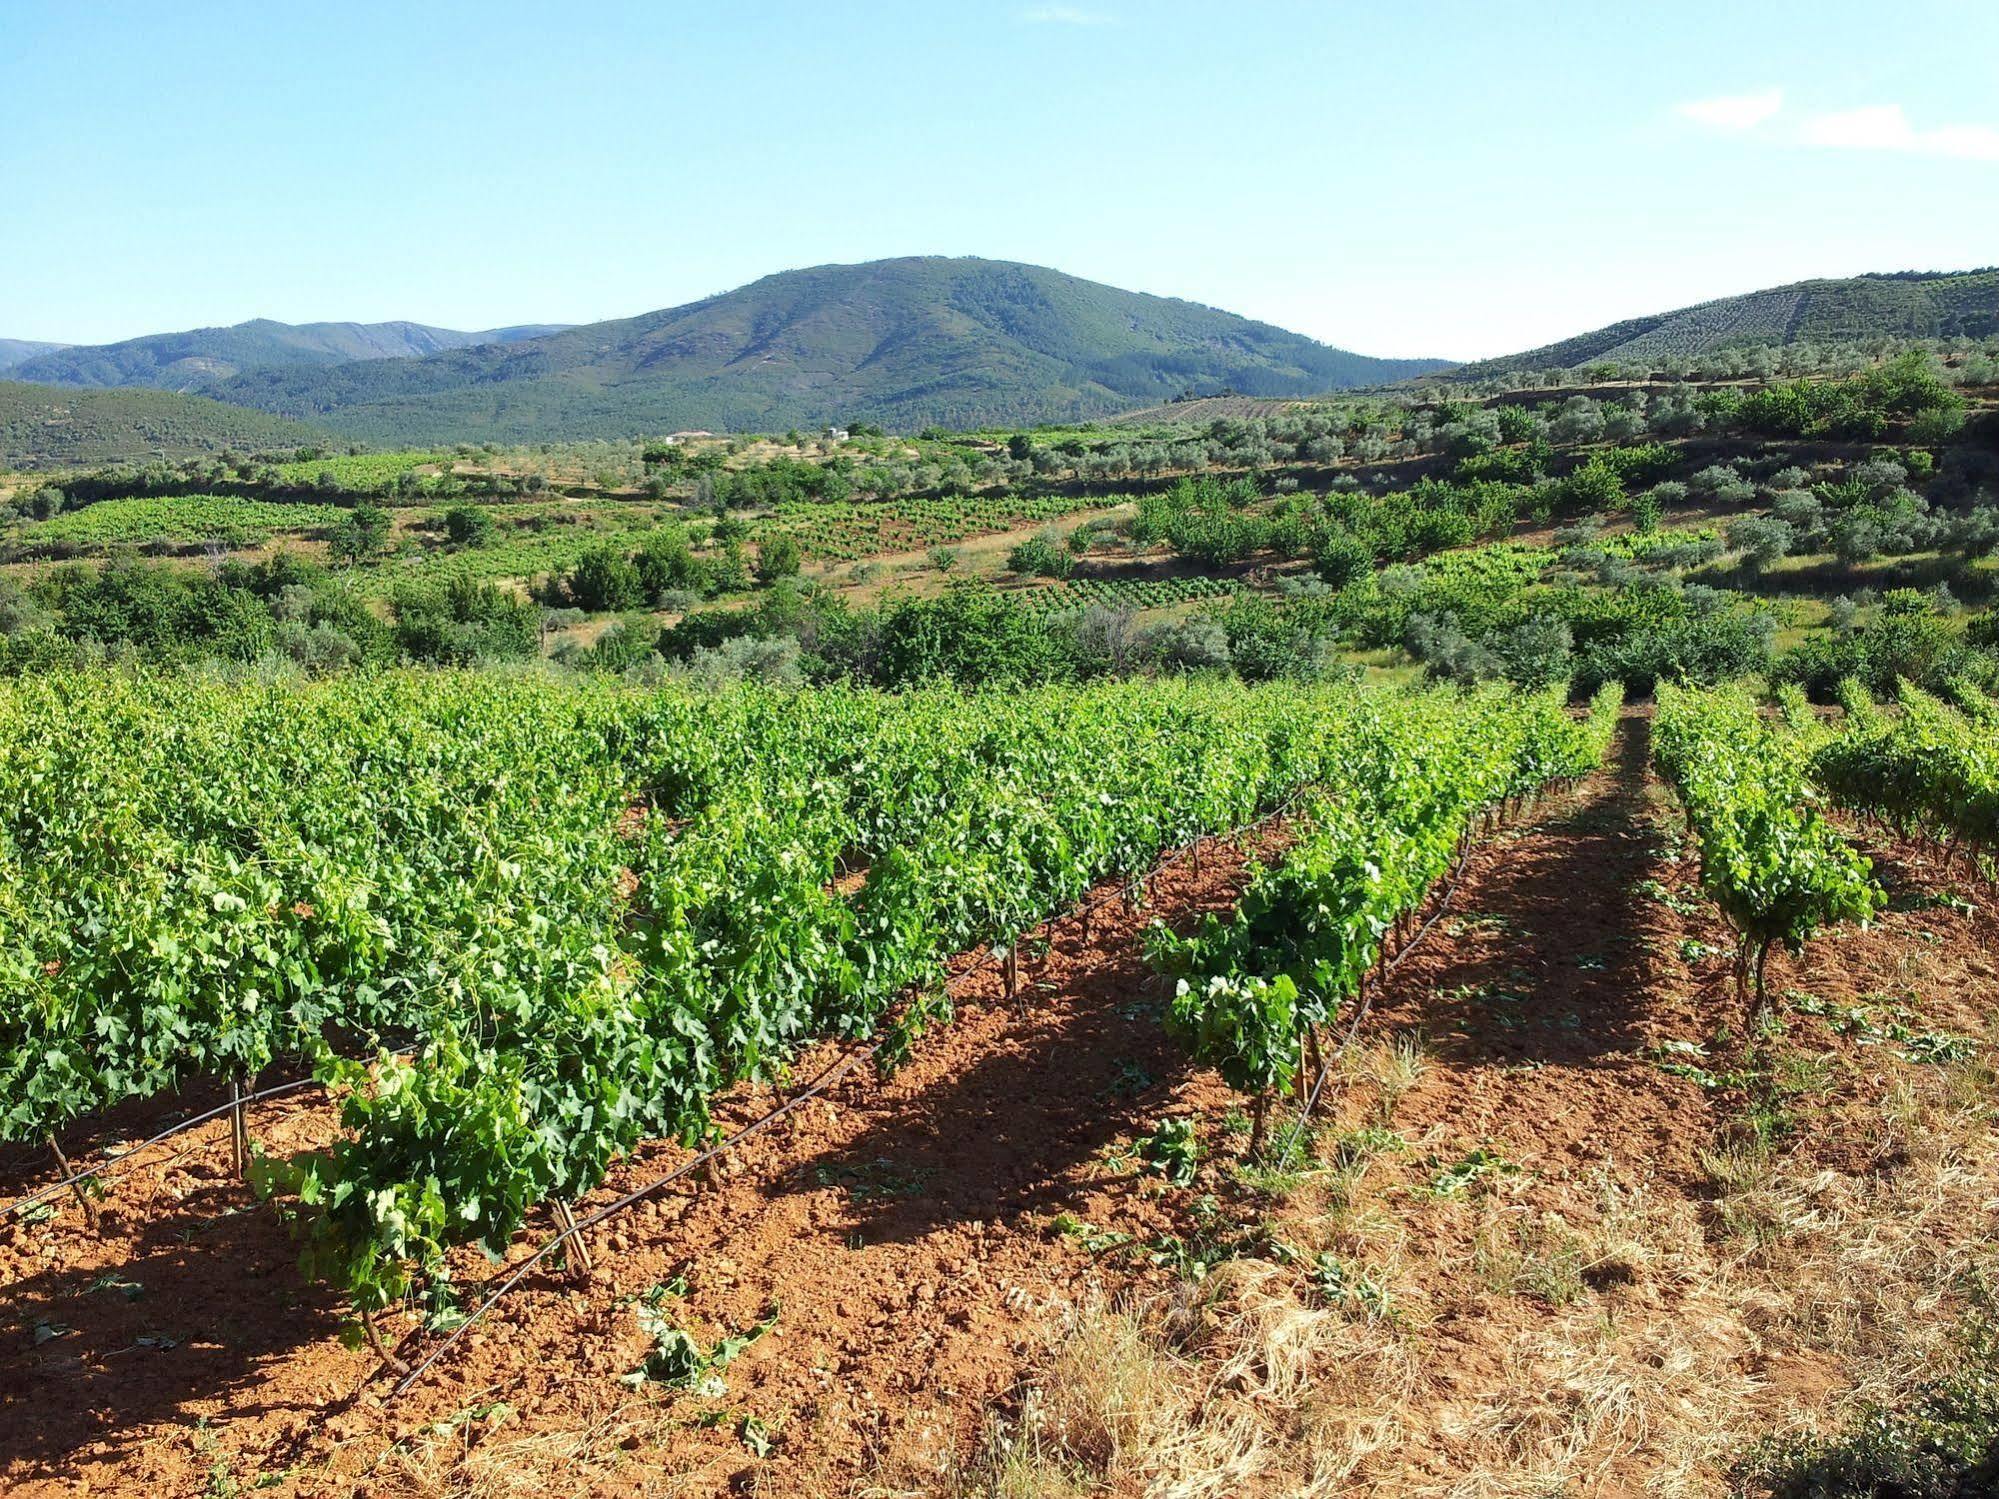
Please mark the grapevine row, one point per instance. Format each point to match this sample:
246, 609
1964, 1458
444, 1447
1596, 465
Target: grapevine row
1777, 869
1928, 771
1256, 988
583, 911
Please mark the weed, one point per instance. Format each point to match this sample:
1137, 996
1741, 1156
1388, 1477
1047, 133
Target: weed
1172, 1150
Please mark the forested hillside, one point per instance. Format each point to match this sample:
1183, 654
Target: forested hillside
40, 425
15, 351
903, 343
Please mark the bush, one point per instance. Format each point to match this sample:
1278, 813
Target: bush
1538, 652
468, 525
1942, 1442
665, 563
604, 581
1936, 426
364, 533
318, 648
463, 623
1723, 485
1701, 650
1761, 540
1342, 558
19, 613
1519, 424
1920, 647
1593, 489
971, 635
1268, 641
162, 613
1197, 644
778, 556
1042, 556
748, 657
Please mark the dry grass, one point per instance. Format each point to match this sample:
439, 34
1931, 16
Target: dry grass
1630, 1339
480, 1455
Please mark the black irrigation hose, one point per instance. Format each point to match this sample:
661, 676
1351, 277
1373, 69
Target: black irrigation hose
122, 1162
832, 1073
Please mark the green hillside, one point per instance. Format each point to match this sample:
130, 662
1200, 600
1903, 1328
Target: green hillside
904, 343
42, 427
200, 356
1961, 304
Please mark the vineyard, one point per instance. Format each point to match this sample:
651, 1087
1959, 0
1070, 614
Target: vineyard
629, 958
366, 473
578, 918
1129, 593
521, 936
179, 518
847, 532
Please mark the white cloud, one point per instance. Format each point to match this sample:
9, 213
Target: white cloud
1733, 111
1886, 128
1063, 15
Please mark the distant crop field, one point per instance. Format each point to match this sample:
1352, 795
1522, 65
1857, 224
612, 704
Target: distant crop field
1207, 409
185, 518
363, 471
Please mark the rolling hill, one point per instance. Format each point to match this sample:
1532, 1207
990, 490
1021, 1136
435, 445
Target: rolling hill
1955, 304
905, 343
15, 351
43, 427
202, 356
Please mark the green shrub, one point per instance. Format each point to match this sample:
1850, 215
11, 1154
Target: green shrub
1940, 1443
468, 525
1042, 556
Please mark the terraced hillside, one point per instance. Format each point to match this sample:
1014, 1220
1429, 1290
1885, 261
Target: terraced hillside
1912, 305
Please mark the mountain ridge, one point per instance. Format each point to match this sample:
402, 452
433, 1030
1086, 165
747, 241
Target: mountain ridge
907, 342
14, 351
194, 358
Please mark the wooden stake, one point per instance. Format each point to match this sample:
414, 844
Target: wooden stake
579, 1251
239, 1130
81, 1187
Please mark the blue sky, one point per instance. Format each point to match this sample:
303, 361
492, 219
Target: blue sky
1447, 177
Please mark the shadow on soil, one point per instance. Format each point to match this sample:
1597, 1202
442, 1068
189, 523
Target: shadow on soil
203, 1297
1005, 1135
1541, 958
